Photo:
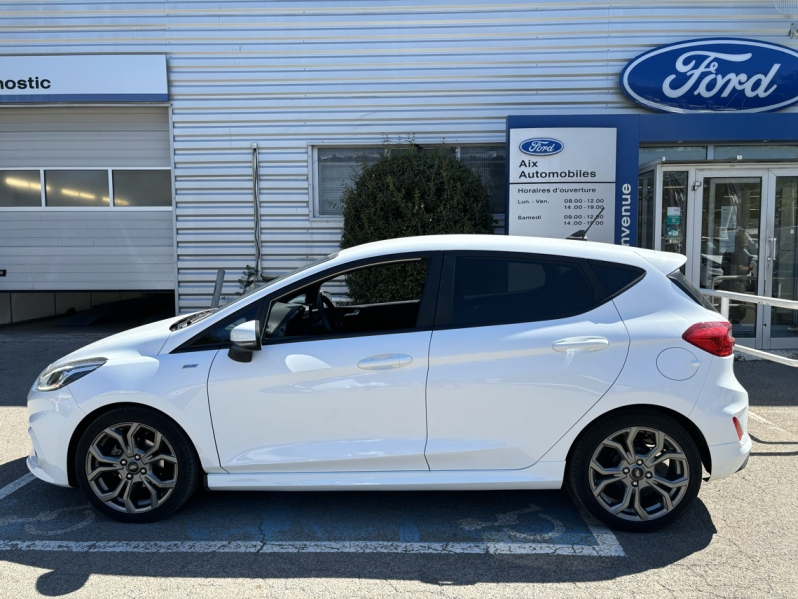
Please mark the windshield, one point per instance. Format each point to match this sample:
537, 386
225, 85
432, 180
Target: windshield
260, 285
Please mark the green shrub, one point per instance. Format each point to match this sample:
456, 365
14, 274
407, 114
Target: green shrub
407, 192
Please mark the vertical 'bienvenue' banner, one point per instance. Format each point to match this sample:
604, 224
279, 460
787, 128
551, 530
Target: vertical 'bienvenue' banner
561, 180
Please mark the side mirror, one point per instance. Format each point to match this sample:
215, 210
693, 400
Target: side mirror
246, 339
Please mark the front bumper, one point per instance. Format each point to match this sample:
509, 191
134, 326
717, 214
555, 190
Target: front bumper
52, 418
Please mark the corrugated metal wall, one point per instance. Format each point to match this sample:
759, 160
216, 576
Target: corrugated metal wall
290, 74
60, 250
78, 136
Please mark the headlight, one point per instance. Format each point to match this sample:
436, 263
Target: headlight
55, 377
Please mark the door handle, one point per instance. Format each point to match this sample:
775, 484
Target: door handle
581, 344
385, 362
772, 249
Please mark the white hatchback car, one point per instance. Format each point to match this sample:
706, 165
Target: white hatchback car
440, 362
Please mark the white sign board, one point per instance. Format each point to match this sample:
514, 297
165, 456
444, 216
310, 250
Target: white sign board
560, 179
84, 78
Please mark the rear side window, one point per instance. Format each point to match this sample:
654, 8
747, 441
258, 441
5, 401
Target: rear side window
497, 289
678, 279
616, 278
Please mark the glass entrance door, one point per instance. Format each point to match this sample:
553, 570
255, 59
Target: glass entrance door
732, 205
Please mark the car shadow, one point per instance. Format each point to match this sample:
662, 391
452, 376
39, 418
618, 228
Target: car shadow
63, 519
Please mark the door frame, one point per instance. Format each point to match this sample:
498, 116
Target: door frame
771, 251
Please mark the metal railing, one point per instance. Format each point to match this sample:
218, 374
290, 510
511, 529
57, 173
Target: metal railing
726, 298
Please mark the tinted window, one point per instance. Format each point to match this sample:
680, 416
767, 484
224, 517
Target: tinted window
616, 277
496, 289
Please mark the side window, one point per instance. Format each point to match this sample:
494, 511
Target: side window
219, 333
616, 278
372, 299
499, 289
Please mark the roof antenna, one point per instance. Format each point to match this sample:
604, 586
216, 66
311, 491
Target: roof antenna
581, 234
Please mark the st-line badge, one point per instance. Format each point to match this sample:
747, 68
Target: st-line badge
541, 146
714, 75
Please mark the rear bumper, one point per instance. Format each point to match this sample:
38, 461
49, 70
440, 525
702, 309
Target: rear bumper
729, 458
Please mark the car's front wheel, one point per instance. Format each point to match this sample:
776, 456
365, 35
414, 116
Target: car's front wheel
636, 471
135, 465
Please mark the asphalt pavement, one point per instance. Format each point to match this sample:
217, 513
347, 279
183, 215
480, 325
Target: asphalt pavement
739, 539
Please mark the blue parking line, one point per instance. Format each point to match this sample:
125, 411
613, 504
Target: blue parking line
46, 518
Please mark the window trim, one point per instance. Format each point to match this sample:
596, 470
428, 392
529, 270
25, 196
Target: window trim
443, 316
111, 205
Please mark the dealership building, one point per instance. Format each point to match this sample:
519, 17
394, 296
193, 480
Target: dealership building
144, 146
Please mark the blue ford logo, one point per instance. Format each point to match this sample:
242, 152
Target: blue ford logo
714, 75
541, 146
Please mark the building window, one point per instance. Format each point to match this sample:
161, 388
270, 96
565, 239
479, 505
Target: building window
142, 188
489, 162
68, 189
20, 189
756, 152
337, 168
86, 188
672, 154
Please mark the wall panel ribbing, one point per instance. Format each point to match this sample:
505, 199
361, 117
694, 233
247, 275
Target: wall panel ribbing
288, 74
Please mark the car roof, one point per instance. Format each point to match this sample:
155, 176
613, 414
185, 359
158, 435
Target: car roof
665, 262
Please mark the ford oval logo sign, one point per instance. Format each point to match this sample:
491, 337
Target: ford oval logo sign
541, 146
714, 75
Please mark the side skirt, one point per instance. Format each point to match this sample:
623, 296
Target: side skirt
543, 475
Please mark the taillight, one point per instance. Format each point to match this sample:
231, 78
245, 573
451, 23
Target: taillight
713, 337
737, 427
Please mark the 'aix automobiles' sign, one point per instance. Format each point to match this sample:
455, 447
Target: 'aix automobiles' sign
714, 75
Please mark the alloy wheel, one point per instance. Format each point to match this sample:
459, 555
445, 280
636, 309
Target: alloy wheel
131, 467
639, 474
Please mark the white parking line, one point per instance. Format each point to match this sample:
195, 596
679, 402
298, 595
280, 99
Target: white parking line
17, 484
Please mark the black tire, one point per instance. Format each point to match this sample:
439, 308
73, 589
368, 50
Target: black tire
643, 494
137, 475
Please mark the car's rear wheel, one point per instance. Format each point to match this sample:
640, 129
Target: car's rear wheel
636, 471
135, 465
